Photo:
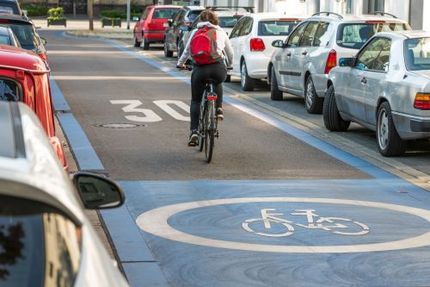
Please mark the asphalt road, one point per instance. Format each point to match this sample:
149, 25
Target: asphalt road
280, 205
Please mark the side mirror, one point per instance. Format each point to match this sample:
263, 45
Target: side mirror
97, 191
347, 62
278, 44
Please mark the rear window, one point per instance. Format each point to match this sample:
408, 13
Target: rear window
25, 35
6, 10
39, 245
10, 91
164, 13
354, 35
227, 22
417, 54
275, 28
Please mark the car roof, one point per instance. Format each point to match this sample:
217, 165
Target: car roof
29, 167
273, 15
194, 8
354, 18
165, 6
410, 34
15, 18
17, 58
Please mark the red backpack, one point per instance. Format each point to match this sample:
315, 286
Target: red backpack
203, 46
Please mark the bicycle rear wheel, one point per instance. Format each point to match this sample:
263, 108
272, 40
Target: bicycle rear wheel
210, 127
202, 125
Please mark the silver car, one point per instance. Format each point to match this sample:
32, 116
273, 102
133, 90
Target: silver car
301, 65
385, 88
46, 239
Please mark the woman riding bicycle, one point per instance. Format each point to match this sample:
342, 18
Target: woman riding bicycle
214, 69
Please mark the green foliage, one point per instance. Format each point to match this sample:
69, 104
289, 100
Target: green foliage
35, 9
56, 13
120, 13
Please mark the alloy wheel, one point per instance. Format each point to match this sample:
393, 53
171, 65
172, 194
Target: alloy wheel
383, 133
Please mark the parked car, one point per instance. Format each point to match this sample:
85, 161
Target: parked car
251, 40
26, 34
301, 64
24, 77
385, 88
150, 27
7, 37
46, 237
227, 20
176, 27
10, 7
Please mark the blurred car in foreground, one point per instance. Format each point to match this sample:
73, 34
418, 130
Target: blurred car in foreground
10, 7
24, 77
150, 27
251, 39
7, 37
45, 235
385, 88
26, 34
301, 65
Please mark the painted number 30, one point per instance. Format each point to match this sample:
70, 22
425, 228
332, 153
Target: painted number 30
149, 116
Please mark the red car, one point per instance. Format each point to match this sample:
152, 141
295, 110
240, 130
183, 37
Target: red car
150, 28
24, 77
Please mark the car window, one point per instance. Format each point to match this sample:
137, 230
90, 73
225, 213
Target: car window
309, 34
26, 35
178, 17
375, 56
39, 246
6, 10
294, 39
5, 40
192, 15
417, 54
322, 35
227, 22
10, 91
145, 13
164, 13
235, 32
354, 35
247, 27
275, 28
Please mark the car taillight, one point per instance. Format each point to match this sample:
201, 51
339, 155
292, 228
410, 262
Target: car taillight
43, 56
331, 61
422, 101
256, 45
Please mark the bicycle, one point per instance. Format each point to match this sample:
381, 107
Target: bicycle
208, 121
336, 225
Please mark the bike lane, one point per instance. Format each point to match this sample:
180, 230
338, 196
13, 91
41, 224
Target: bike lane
195, 229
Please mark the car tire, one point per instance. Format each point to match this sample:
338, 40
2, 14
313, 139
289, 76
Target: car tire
313, 103
275, 93
246, 83
136, 43
332, 118
389, 141
145, 43
167, 52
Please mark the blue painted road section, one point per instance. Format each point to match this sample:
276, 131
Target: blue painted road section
198, 264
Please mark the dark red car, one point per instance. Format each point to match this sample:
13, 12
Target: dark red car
24, 77
150, 28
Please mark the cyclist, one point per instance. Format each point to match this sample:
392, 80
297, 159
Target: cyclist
215, 70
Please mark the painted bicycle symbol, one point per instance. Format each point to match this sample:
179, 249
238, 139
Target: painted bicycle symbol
269, 218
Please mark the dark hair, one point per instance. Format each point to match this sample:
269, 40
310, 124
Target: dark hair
209, 16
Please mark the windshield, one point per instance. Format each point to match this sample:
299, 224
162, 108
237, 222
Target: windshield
39, 246
417, 54
227, 22
275, 28
354, 35
25, 35
164, 13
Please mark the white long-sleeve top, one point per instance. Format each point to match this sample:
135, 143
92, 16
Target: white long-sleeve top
223, 44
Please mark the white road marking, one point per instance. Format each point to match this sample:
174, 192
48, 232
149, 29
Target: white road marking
165, 106
156, 222
149, 116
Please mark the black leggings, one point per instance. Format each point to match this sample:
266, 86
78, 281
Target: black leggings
216, 72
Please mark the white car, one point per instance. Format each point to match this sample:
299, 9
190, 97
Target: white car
45, 236
251, 39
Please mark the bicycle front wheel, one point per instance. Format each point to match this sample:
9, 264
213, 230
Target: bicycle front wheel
210, 127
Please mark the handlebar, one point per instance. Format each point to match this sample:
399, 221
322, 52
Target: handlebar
185, 67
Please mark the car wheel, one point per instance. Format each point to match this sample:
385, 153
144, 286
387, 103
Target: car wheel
167, 52
136, 43
275, 93
246, 83
332, 119
145, 43
313, 103
389, 141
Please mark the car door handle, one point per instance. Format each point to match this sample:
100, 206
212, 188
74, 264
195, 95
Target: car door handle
363, 80
305, 53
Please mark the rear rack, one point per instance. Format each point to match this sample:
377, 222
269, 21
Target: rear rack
382, 13
327, 13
